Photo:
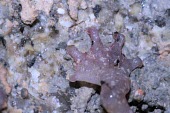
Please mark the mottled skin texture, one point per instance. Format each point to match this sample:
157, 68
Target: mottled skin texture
107, 67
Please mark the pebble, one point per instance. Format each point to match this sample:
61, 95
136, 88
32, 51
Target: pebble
24, 93
61, 11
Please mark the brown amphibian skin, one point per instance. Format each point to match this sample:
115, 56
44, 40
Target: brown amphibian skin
107, 67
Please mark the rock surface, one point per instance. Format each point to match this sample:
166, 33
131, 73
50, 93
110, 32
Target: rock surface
34, 35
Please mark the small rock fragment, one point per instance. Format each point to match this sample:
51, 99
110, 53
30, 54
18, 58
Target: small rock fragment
83, 4
66, 21
79, 102
61, 45
24, 93
31, 62
73, 7
7, 28
144, 107
118, 22
28, 13
35, 74
30, 9
139, 94
61, 11
135, 9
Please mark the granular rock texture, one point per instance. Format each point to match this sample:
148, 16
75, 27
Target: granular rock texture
80, 101
35, 67
3, 99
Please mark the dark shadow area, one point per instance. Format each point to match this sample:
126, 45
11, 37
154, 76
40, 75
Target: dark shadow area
148, 109
79, 84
